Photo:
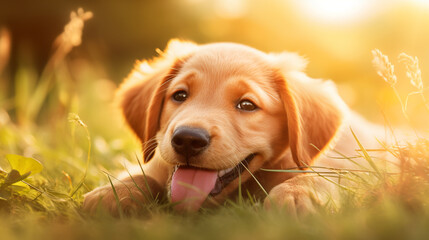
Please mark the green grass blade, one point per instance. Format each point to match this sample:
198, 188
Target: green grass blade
118, 203
387, 149
253, 176
367, 157
128, 189
149, 199
76, 119
327, 179
145, 178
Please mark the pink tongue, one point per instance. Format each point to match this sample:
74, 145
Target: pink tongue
191, 186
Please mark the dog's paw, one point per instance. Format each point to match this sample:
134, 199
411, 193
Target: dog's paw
298, 200
103, 198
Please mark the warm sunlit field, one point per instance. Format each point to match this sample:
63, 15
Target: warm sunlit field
61, 134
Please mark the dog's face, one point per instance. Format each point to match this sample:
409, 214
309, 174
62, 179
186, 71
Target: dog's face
211, 111
221, 108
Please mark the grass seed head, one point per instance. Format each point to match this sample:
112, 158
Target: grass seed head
72, 35
413, 70
383, 67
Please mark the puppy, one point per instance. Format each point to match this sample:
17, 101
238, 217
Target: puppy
213, 121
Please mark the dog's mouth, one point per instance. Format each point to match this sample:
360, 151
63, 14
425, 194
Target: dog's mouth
190, 185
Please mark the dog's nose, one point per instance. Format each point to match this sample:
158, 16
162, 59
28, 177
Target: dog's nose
189, 141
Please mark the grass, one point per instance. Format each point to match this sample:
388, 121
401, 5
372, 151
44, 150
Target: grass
82, 150
384, 220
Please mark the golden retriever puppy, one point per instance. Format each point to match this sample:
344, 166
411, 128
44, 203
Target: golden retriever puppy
215, 117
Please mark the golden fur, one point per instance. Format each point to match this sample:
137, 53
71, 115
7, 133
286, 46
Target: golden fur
298, 120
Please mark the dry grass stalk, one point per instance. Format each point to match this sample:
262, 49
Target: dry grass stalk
69, 38
386, 70
413, 70
383, 67
72, 35
414, 74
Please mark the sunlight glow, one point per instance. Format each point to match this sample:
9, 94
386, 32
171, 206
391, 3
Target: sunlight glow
230, 8
335, 11
422, 2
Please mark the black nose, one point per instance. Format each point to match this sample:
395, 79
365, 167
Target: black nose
190, 142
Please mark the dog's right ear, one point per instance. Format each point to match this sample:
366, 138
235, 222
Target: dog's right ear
140, 95
313, 108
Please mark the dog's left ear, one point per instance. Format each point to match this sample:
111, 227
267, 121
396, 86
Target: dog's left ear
141, 95
314, 113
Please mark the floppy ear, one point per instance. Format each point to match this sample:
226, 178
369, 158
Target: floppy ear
314, 114
154, 112
141, 95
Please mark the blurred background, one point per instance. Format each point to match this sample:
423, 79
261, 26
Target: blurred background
336, 36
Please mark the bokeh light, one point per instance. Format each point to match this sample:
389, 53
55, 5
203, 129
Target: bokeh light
336, 11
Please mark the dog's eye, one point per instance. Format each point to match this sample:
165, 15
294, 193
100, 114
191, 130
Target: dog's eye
246, 105
180, 96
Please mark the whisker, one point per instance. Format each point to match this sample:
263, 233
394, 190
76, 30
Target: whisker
149, 147
150, 140
152, 152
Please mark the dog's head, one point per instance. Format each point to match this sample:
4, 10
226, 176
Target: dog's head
213, 110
